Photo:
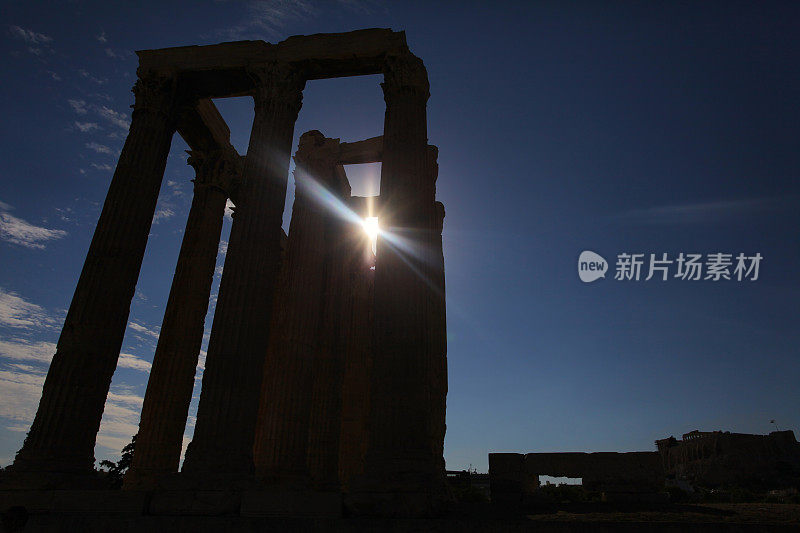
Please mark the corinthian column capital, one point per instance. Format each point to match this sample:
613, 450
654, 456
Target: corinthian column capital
405, 75
277, 84
221, 169
155, 92
314, 151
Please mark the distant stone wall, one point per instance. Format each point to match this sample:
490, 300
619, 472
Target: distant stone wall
717, 458
514, 476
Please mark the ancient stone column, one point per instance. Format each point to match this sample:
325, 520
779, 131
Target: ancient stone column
341, 249
403, 475
358, 359
169, 389
438, 359
62, 436
226, 416
281, 443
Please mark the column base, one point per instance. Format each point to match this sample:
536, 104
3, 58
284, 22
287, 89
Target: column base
36, 480
144, 479
411, 486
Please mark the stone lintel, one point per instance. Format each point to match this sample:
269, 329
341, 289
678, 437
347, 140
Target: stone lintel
366, 151
218, 70
364, 206
203, 128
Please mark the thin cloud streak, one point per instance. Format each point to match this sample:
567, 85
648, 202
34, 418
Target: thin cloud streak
704, 212
21, 232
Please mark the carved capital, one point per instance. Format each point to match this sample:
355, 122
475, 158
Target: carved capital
439, 217
221, 169
277, 85
405, 75
316, 156
432, 162
155, 92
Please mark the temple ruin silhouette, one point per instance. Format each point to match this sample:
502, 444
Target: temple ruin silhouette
326, 366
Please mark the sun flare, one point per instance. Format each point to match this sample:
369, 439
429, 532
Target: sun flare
371, 227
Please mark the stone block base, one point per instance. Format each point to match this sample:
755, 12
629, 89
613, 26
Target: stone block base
291, 503
75, 501
635, 497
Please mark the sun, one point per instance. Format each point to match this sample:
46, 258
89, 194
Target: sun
371, 227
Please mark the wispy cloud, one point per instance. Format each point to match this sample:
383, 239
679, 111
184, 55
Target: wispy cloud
37, 43
118, 119
86, 126
99, 148
266, 18
17, 312
104, 166
115, 118
22, 387
29, 36
118, 54
79, 106
133, 362
176, 188
162, 213
120, 419
102, 37
703, 212
143, 330
90, 77
18, 349
21, 232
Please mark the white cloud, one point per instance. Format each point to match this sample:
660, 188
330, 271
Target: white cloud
223, 247
176, 188
266, 18
118, 119
104, 166
115, 118
86, 126
85, 74
162, 213
29, 36
102, 37
79, 106
706, 212
17, 312
21, 388
120, 420
143, 330
117, 54
54, 75
18, 349
133, 362
100, 148
18, 231
229, 206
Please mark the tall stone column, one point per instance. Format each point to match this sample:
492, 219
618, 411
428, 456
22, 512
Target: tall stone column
358, 360
63, 433
226, 416
342, 237
403, 475
169, 389
438, 339
281, 443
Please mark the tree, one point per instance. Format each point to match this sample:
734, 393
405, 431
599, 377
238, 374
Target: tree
117, 470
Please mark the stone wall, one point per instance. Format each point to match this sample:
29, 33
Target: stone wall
514, 476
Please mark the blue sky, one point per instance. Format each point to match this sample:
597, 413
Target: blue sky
616, 128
